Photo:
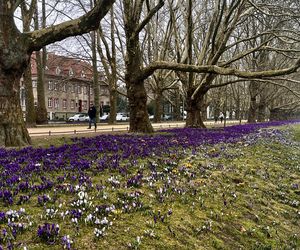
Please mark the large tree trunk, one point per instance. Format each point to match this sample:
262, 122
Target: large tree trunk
13, 61
137, 96
252, 111
139, 119
261, 112
158, 105
12, 127
193, 108
253, 91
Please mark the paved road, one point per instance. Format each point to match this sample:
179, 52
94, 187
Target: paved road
63, 129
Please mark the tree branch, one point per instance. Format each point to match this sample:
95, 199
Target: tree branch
88, 22
147, 18
149, 70
257, 80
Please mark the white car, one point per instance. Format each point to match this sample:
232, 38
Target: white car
79, 118
104, 118
122, 117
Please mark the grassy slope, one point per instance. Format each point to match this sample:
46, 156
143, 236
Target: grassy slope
245, 198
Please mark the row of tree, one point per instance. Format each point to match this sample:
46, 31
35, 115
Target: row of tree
192, 48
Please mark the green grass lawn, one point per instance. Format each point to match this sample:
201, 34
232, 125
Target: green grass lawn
227, 196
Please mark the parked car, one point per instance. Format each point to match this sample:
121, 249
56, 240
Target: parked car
167, 117
104, 118
121, 117
79, 118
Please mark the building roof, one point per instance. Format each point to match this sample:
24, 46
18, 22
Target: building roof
63, 66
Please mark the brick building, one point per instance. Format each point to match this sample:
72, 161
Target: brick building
68, 86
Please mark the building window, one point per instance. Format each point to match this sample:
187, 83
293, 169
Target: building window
64, 103
50, 85
85, 107
57, 70
72, 104
107, 103
55, 85
71, 72
64, 87
79, 89
85, 90
70, 87
50, 102
56, 103
73, 88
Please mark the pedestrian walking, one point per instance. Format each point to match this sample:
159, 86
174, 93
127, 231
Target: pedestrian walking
92, 115
221, 117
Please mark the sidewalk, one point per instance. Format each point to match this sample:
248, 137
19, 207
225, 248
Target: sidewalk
64, 129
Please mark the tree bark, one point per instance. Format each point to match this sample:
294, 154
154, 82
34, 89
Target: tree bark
137, 96
158, 105
113, 105
193, 108
253, 91
12, 127
261, 111
41, 112
95, 76
177, 112
30, 108
13, 61
27, 14
252, 111
139, 119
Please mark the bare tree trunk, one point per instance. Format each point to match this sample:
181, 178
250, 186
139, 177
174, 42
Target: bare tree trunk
113, 105
261, 111
27, 15
12, 127
177, 105
95, 76
137, 96
139, 120
158, 105
252, 111
41, 111
13, 61
193, 108
253, 90
30, 108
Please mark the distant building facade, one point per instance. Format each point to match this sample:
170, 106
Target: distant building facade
67, 85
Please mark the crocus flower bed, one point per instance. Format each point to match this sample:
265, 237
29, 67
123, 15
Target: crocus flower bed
233, 187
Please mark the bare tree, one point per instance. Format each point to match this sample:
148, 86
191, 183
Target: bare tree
27, 16
15, 51
108, 60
